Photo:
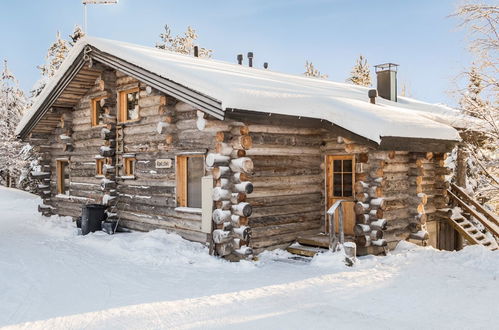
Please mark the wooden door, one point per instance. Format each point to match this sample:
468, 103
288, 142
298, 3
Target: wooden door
340, 178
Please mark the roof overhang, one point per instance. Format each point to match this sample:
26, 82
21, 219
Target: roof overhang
90, 54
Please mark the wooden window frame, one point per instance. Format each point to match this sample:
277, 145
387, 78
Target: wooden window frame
330, 173
94, 111
129, 166
122, 113
61, 164
181, 177
99, 166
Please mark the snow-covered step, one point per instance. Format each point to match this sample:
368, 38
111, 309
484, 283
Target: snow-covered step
304, 250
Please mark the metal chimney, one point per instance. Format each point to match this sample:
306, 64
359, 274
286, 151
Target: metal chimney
240, 59
250, 59
386, 76
196, 51
265, 65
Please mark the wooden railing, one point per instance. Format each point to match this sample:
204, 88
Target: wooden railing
488, 219
335, 241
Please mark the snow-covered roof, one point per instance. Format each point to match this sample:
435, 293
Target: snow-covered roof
243, 88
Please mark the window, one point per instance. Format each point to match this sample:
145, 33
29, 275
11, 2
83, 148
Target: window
99, 166
341, 176
129, 166
190, 170
97, 112
62, 167
129, 105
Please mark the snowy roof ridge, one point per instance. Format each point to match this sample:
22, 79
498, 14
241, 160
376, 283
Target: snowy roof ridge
244, 88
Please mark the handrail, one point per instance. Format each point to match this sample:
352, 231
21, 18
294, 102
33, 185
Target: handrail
488, 214
484, 216
333, 240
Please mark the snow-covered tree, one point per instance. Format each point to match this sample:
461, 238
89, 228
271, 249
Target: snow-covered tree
55, 56
361, 75
14, 155
311, 71
182, 44
76, 35
479, 98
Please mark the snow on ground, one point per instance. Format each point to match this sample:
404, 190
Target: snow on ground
51, 278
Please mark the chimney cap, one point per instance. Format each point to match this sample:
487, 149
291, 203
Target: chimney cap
386, 66
250, 54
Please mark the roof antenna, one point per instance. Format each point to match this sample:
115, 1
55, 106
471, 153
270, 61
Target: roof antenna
196, 51
240, 59
265, 65
250, 59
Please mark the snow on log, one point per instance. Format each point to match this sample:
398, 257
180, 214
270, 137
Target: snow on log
376, 234
361, 229
242, 209
364, 240
379, 224
244, 251
243, 232
224, 205
221, 194
243, 164
212, 159
237, 198
221, 216
221, 236
223, 149
420, 235
361, 208
219, 172
246, 187
379, 242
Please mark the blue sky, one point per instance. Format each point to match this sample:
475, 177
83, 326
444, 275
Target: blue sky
417, 34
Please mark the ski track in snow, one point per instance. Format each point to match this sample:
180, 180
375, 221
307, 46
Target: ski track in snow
51, 278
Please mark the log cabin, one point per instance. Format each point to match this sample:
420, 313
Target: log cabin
236, 157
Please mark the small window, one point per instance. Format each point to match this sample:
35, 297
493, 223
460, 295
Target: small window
342, 172
62, 177
97, 112
190, 170
129, 166
129, 105
99, 166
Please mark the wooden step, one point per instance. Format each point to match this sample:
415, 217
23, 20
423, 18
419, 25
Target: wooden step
317, 240
306, 251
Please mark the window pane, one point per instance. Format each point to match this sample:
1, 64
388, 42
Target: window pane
347, 166
65, 171
99, 113
195, 170
132, 105
337, 165
337, 185
347, 185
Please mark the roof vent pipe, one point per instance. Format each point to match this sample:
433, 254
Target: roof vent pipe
196, 51
386, 76
372, 95
250, 59
240, 59
265, 65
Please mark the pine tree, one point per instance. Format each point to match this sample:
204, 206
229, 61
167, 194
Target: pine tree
13, 153
55, 56
311, 71
361, 75
181, 44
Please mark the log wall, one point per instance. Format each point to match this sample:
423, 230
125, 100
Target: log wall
269, 179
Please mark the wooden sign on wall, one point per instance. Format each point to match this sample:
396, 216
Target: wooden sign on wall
164, 163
